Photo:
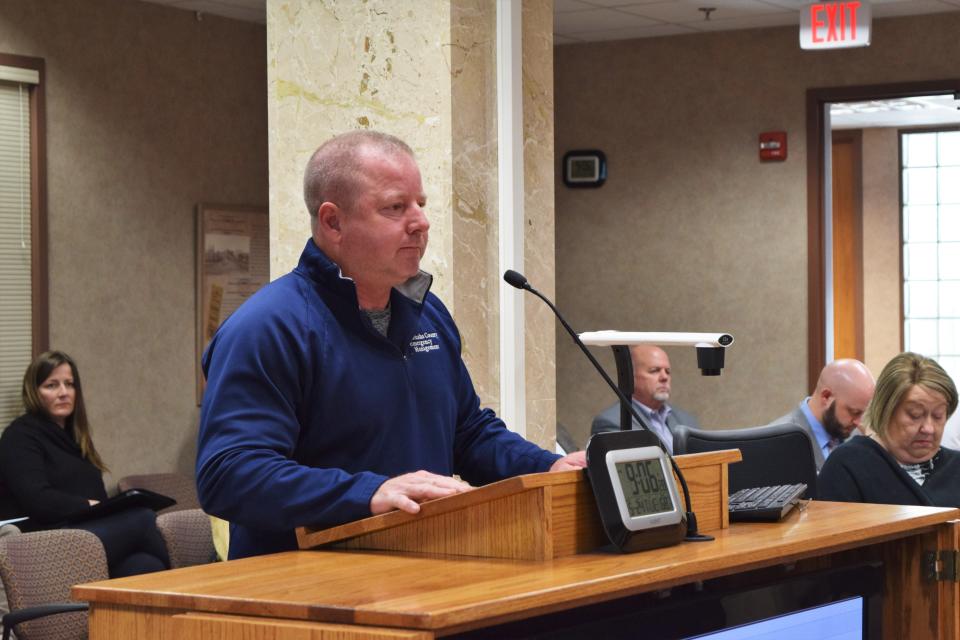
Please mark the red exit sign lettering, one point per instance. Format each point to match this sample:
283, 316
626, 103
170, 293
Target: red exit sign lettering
835, 25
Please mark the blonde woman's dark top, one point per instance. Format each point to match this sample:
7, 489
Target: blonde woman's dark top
861, 470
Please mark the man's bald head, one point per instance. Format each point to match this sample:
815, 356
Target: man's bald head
843, 391
651, 375
336, 172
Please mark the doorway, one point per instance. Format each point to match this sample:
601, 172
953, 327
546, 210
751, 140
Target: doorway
834, 224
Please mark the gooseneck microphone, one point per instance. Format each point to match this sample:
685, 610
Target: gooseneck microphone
519, 281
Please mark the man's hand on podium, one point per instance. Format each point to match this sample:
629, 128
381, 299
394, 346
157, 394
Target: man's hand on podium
575, 460
407, 491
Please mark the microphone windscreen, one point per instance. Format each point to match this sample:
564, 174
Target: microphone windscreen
515, 279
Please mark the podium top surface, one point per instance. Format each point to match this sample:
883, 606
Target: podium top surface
444, 593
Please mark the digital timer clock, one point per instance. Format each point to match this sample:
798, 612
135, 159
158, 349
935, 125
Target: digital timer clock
636, 494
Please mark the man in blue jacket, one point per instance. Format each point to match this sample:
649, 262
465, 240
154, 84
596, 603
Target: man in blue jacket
337, 391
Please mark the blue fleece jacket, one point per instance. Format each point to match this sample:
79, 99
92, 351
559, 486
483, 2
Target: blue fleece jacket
308, 410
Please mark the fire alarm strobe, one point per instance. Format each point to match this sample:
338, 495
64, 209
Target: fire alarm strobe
773, 145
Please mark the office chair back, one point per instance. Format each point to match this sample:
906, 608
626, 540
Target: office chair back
178, 486
6, 530
38, 570
772, 455
188, 536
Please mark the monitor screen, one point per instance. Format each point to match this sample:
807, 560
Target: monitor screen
842, 620
842, 603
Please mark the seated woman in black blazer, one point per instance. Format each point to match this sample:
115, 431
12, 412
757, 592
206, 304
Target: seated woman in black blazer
51, 470
900, 460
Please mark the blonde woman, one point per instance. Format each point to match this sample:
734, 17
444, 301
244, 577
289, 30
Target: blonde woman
900, 461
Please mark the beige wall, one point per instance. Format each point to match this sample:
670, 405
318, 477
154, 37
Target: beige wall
149, 112
881, 247
691, 232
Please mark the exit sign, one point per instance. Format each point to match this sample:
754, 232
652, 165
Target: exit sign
835, 25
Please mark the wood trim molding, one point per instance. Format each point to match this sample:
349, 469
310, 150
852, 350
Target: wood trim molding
39, 268
903, 311
816, 337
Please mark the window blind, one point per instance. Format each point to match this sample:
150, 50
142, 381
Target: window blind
15, 243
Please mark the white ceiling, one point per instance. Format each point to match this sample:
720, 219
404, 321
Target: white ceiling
917, 111
595, 20
598, 20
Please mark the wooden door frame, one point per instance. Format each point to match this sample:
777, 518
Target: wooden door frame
39, 267
816, 148
855, 138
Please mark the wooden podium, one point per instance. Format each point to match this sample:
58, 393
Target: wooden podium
533, 517
524, 548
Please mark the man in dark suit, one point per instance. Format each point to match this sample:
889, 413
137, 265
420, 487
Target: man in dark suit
651, 390
832, 413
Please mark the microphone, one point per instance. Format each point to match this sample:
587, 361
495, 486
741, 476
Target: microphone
519, 281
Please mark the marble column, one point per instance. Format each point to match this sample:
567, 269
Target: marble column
425, 71
539, 244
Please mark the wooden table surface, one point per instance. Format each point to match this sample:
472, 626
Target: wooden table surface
444, 593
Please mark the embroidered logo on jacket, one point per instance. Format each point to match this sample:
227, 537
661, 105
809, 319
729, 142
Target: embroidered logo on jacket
423, 342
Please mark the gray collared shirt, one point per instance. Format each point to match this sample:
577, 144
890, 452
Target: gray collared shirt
657, 421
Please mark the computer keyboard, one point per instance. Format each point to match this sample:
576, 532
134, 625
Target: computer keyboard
766, 504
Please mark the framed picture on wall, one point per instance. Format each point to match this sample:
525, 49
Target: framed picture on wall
233, 262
